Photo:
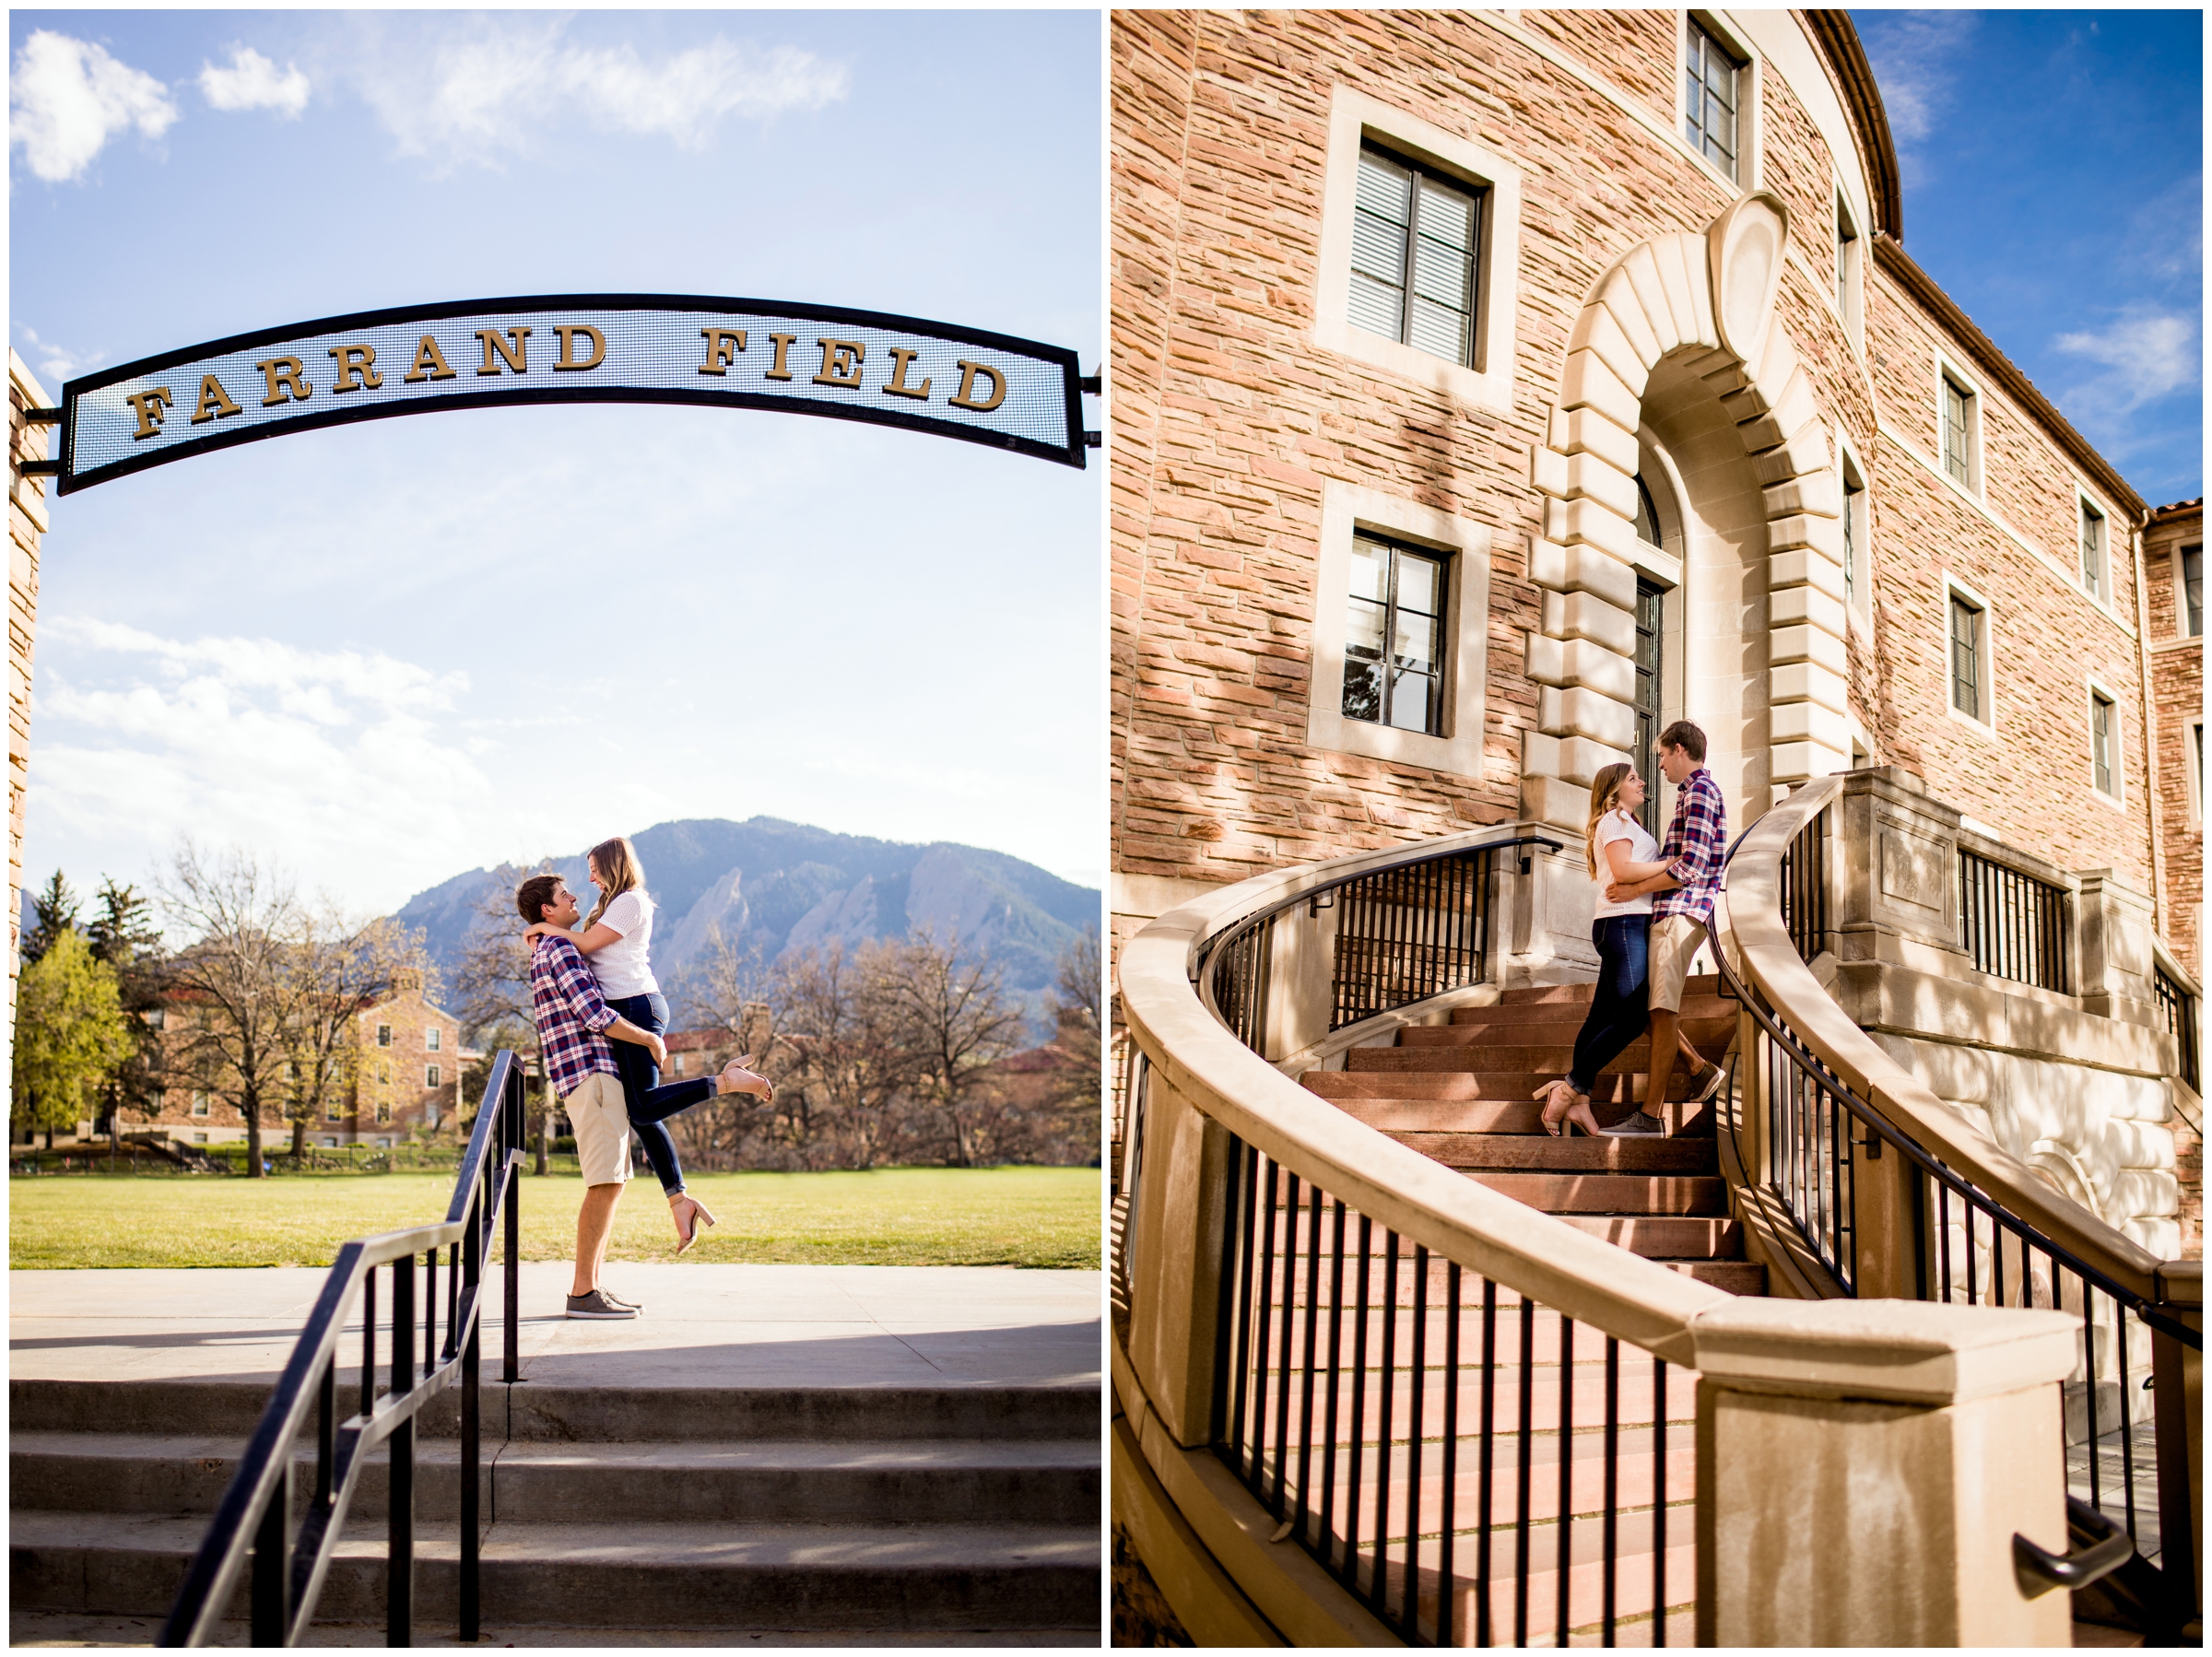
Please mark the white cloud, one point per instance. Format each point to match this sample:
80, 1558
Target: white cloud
252, 82
1915, 56
57, 362
488, 93
2146, 355
68, 98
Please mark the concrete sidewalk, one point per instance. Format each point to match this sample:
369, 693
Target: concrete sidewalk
704, 1325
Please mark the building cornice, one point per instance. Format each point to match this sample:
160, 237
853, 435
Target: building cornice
1832, 32
1899, 268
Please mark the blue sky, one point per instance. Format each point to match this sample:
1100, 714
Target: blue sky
2054, 182
387, 652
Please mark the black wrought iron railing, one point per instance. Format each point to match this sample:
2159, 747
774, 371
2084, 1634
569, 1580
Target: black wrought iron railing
1971, 1248
2177, 1017
1437, 1441
1804, 906
424, 1355
1402, 934
1134, 1082
2013, 925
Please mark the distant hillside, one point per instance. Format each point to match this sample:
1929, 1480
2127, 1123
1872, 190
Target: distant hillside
773, 885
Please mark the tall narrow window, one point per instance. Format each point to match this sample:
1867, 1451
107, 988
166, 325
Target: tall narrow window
1966, 657
1854, 534
1847, 259
1712, 77
1393, 671
384, 1035
2092, 552
1651, 601
2193, 591
1414, 240
2196, 749
2103, 717
1647, 514
1957, 414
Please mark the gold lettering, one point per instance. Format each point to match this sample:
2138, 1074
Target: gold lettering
429, 363
214, 402
897, 385
356, 368
966, 398
779, 369
494, 341
150, 405
280, 371
568, 332
719, 344
841, 363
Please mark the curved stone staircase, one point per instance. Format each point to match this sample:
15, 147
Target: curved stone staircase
1460, 1093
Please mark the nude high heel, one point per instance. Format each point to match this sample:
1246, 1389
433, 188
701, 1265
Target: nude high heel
688, 1211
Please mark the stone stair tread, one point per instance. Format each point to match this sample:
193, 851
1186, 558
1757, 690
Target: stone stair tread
1625, 1194
915, 1545
1368, 1094
1709, 1006
1665, 1236
1540, 1060
1699, 1027
1540, 1153
1708, 983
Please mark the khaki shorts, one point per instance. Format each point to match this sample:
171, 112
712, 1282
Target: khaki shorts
1675, 940
602, 1123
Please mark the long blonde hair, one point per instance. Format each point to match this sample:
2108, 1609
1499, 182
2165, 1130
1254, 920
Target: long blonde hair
619, 871
1604, 794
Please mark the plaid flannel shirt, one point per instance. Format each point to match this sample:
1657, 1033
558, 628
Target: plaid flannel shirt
1697, 841
570, 1014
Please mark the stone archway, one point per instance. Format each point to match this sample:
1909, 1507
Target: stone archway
1685, 323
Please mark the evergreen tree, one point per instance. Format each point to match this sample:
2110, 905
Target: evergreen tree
123, 932
53, 913
71, 1033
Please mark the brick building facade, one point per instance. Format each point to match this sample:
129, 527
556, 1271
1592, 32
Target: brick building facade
405, 1066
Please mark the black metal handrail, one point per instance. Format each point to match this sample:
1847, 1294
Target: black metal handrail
253, 1520
2013, 925
1407, 931
1816, 1132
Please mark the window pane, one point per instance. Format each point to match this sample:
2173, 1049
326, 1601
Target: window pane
1412, 700
2092, 551
2100, 741
1377, 309
1439, 332
1440, 272
1415, 645
1362, 690
1371, 572
1379, 249
1420, 582
2193, 590
1447, 216
1363, 631
1385, 187
1966, 683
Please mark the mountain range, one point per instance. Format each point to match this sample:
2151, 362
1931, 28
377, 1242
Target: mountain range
770, 886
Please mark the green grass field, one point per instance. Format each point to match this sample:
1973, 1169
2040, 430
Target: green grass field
1020, 1216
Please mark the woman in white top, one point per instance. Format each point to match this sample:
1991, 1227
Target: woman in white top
1617, 849
614, 938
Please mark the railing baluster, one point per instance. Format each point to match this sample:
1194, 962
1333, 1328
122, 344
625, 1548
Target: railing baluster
1659, 1501
1305, 1420
1566, 1471
1351, 1503
1416, 1428
1612, 1534
1489, 1461
1386, 1388
1282, 1397
1450, 1508
2088, 1347
1328, 1442
272, 1589
399, 1566
1243, 1325
1527, 1420
2127, 1448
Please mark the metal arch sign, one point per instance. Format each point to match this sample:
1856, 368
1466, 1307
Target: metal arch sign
852, 365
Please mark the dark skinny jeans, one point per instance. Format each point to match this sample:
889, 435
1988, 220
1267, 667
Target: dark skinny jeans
648, 1103
1620, 1011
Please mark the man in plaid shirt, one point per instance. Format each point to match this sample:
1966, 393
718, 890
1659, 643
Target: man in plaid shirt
1697, 844
574, 1024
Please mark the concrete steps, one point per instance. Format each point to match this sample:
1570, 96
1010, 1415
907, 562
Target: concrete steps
895, 1508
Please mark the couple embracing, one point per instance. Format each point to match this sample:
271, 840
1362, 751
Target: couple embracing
600, 1017
1650, 918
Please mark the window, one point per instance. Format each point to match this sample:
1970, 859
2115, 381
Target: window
384, 1035
199, 1104
384, 1110
330, 1142
429, 1076
1419, 270
199, 1139
2092, 553
432, 1037
1393, 672
1957, 433
2104, 730
2192, 607
1414, 236
2196, 772
383, 1075
1854, 530
1711, 80
1647, 515
1970, 650
334, 1112
1650, 600
1847, 266
676, 1063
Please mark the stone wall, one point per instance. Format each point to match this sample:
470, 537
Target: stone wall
2177, 685
25, 526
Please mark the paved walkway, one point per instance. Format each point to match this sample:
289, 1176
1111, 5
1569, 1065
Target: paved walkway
704, 1325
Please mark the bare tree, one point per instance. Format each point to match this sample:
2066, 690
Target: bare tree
952, 1019
350, 965
849, 1070
731, 994
1078, 1003
492, 983
239, 979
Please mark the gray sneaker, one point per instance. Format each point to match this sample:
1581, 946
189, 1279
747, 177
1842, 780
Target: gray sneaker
636, 1306
1636, 1125
598, 1305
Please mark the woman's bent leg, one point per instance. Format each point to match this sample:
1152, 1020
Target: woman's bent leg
642, 1080
1618, 1013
